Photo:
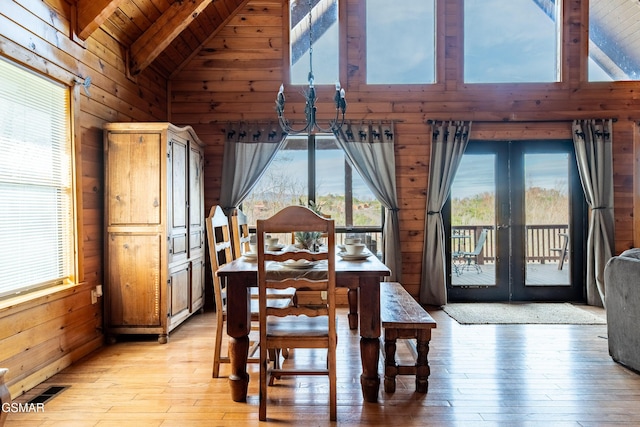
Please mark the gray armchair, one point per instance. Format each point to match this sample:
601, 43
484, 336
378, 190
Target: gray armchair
622, 284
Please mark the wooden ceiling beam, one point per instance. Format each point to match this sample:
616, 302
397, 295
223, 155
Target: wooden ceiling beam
90, 14
240, 4
163, 31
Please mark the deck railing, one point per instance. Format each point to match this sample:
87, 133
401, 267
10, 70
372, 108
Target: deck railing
541, 240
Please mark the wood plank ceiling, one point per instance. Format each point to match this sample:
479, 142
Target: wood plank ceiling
164, 34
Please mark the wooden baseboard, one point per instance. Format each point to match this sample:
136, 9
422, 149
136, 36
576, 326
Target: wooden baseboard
25, 384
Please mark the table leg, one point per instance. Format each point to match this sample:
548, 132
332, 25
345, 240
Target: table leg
352, 297
239, 378
238, 328
370, 336
369, 380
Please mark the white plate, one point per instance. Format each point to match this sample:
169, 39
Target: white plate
249, 256
301, 264
348, 257
275, 248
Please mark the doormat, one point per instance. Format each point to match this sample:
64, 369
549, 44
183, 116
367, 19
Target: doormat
522, 313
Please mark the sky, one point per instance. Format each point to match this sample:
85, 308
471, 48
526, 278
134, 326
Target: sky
528, 54
476, 174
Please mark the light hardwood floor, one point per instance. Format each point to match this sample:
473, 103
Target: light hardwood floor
485, 375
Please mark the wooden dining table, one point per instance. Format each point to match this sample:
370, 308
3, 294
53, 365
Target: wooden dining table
362, 278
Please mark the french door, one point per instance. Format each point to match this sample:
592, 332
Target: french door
516, 222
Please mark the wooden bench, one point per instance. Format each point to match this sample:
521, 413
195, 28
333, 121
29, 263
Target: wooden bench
404, 318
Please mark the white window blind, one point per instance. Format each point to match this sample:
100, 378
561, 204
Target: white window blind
36, 186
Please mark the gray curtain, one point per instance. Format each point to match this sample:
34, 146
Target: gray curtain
447, 147
593, 145
248, 150
369, 149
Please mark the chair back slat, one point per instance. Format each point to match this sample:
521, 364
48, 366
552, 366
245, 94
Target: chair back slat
220, 252
239, 232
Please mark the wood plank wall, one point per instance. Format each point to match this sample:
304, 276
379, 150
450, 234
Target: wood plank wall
41, 336
237, 73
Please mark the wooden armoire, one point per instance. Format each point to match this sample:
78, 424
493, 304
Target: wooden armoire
155, 230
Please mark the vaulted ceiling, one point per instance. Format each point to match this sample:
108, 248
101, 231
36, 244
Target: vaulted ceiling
165, 33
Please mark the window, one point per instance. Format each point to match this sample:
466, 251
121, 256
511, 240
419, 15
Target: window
36, 185
393, 56
508, 41
324, 34
614, 40
330, 183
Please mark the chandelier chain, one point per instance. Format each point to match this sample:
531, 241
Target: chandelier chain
310, 108
310, 44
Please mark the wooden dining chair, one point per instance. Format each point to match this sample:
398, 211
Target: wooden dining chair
240, 237
297, 326
220, 253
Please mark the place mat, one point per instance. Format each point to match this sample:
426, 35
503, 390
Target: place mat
522, 313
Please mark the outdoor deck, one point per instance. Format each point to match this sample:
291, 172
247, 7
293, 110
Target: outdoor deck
537, 274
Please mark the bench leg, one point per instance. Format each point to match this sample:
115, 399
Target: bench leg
422, 363
390, 366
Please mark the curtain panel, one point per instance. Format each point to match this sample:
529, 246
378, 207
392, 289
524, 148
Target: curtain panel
369, 149
592, 140
249, 148
447, 147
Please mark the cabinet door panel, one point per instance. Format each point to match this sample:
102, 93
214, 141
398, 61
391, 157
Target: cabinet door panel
133, 194
178, 247
178, 205
134, 279
197, 284
196, 208
179, 288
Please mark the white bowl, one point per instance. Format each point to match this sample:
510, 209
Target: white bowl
354, 249
352, 240
271, 241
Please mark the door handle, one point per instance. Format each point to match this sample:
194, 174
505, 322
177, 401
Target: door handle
502, 226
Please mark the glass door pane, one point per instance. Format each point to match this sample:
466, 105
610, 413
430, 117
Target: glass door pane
546, 215
473, 219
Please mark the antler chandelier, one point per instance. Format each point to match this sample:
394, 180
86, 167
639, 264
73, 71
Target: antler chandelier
311, 124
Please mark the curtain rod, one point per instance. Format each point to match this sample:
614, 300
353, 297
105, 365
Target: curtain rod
432, 121
275, 121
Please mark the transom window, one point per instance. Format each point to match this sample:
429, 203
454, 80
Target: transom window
614, 40
36, 187
509, 41
324, 34
400, 41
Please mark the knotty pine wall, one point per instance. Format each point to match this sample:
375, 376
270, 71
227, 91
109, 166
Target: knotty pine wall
237, 74
42, 334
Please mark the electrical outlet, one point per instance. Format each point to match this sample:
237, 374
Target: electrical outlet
95, 294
